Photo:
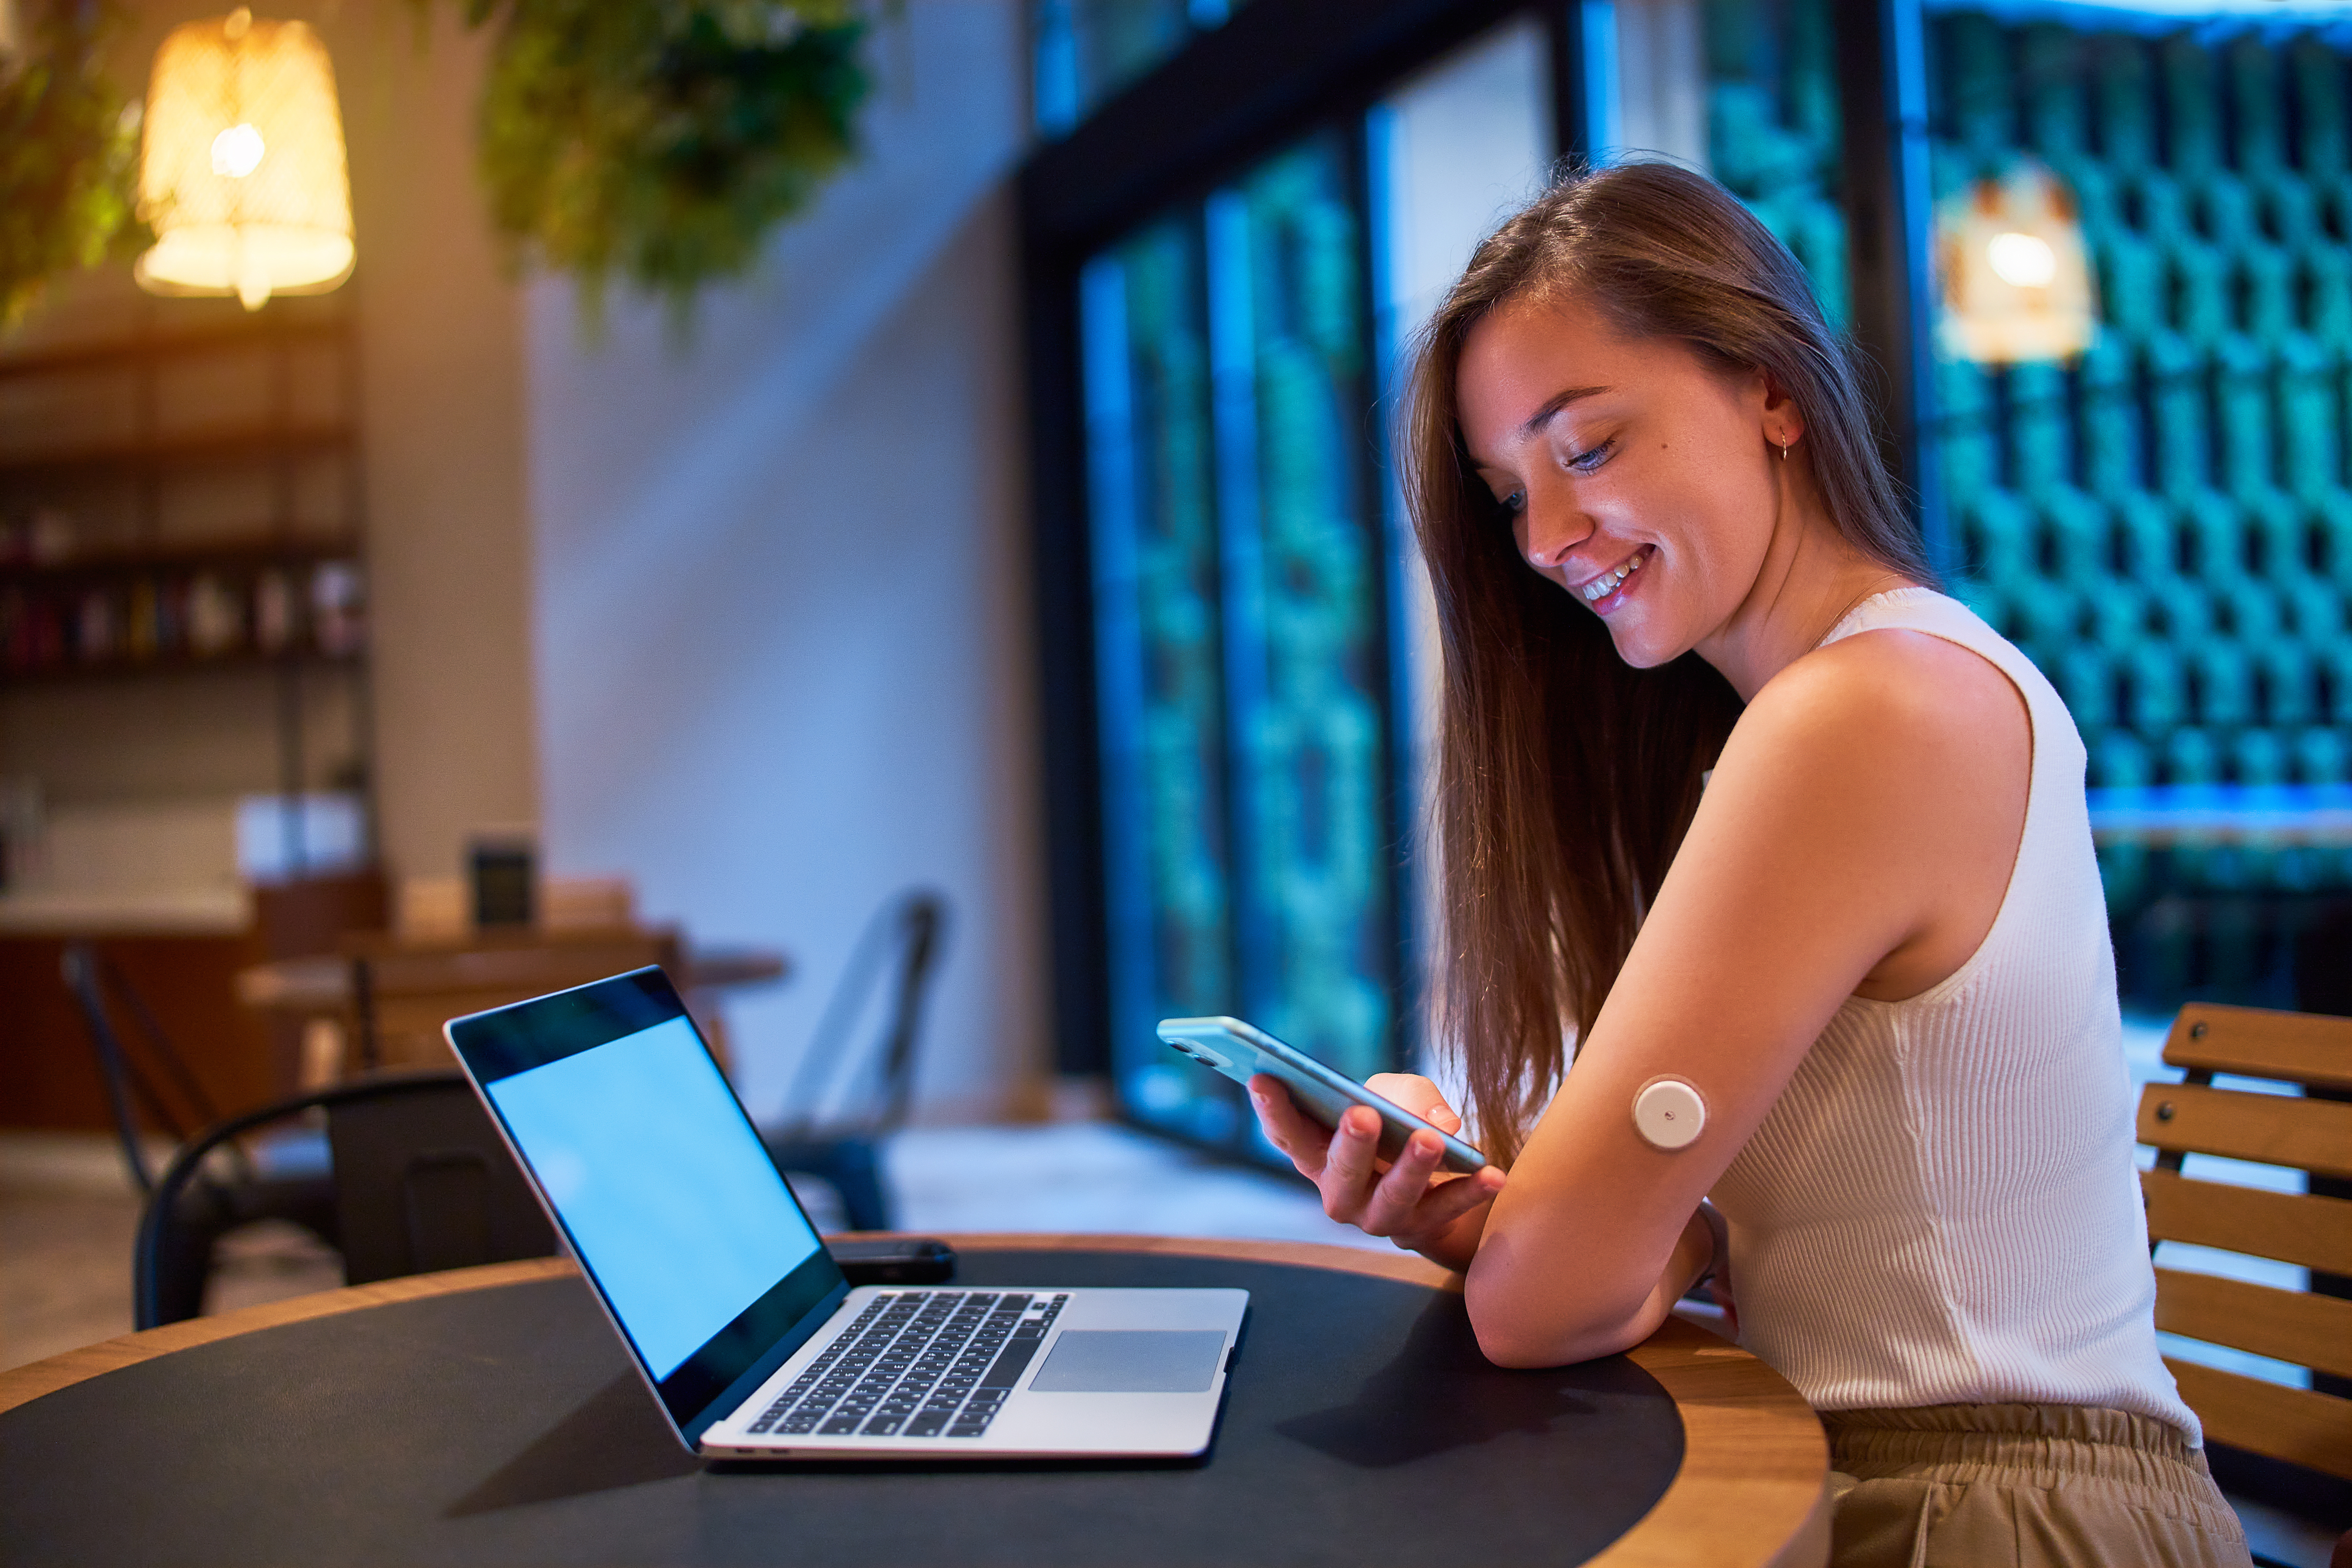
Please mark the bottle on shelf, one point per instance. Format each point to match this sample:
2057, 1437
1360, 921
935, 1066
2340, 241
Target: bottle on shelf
275, 612
215, 616
337, 625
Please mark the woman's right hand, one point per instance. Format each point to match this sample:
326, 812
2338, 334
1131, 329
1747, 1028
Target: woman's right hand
1411, 1203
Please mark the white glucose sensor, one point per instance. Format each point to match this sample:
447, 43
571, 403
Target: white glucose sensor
1668, 1113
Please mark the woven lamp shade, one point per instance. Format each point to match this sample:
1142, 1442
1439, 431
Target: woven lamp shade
242, 173
2016, 275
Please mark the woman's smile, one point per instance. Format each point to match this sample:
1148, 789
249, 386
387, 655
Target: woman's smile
1606, 592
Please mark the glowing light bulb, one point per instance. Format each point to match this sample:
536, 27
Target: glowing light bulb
236, 152
221, 225
2022, 260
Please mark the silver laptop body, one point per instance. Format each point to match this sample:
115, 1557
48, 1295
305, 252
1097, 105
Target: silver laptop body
751, 1340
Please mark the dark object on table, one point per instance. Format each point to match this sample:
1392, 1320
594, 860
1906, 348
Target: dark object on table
894, 1260
420, 1181
844, 1147
505, 876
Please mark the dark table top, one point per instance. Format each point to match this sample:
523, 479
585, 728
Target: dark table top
503, 1424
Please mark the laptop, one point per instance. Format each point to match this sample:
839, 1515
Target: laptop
753, 1342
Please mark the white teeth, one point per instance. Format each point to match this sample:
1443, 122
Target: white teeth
1601, 587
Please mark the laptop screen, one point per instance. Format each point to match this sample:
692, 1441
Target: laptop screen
658, 1179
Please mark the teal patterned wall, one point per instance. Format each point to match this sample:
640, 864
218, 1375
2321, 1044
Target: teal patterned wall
1241, 646
1772, 127
2164, 524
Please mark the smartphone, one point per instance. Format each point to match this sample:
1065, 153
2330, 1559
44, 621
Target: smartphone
1241, 1050
894, 1260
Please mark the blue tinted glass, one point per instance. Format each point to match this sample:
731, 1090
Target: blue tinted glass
1087, 50
1159, 664
1241, 633
667, 1196
1304, 582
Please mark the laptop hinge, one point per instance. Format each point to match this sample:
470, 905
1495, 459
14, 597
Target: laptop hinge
760, 1371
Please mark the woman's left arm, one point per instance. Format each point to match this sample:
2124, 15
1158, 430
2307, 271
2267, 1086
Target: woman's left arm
1861, 826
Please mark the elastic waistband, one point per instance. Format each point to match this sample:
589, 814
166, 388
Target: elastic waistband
2052, 1440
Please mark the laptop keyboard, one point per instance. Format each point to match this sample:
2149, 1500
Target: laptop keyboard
917, 1364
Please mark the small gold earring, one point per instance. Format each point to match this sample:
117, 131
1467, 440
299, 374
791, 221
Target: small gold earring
1784, 450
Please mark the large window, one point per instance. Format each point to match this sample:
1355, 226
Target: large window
1242, 650
1258, 615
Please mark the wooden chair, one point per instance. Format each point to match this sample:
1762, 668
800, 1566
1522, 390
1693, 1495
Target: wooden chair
2300, 1426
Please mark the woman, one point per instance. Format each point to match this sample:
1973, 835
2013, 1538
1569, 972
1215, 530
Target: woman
1729, 793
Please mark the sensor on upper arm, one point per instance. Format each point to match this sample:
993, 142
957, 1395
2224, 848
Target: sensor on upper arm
1668, 1113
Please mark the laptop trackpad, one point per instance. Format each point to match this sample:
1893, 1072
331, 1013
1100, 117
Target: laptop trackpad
1131, 1361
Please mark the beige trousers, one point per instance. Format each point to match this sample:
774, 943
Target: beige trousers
2022, 1486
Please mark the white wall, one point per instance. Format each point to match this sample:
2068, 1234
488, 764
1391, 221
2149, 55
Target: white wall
442, 405
781, 580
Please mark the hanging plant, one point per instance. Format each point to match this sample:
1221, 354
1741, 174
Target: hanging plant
68, 154
659, 142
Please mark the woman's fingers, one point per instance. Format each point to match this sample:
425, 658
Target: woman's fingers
1287, 1127
1394, 1203
1348, 1169
1406, 1199
1450, 1200
1418, 1095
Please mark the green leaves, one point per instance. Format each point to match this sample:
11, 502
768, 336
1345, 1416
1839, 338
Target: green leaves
659, 142
68, 157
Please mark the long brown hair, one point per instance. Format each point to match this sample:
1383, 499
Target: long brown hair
1567, 778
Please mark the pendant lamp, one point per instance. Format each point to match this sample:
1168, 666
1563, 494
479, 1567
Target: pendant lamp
2016, 275
242, 173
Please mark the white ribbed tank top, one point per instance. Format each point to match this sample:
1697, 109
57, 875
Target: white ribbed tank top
1942, 1208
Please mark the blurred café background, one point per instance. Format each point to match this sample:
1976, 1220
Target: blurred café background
888, 510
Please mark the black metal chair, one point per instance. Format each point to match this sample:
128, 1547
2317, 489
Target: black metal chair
421, 1181
133, 1086
283, 1179
843, 1147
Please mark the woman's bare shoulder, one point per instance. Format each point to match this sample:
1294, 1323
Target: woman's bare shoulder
1895, 712
1891, 686
1879, 786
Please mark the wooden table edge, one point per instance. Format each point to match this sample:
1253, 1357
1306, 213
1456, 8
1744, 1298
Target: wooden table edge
1749, 1489
1752, 1484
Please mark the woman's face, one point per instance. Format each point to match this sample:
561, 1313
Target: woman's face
1638, 479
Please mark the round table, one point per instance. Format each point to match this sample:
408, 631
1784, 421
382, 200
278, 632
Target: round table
489, 1415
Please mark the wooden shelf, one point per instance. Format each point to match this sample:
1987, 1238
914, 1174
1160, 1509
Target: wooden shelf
178, 665
182, 451
259, 467
104, 566
180, 343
